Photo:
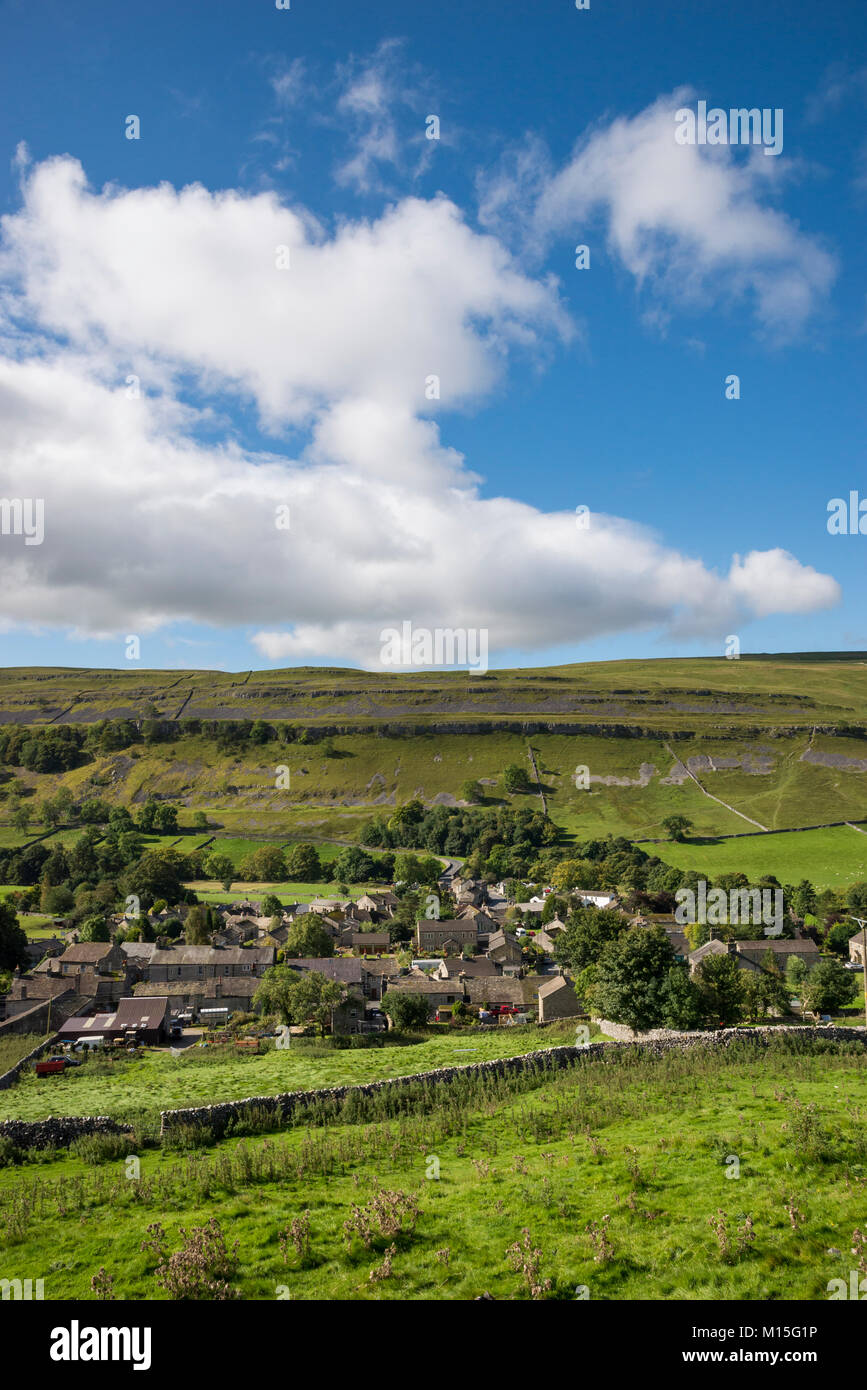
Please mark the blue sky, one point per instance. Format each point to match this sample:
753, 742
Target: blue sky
559, 387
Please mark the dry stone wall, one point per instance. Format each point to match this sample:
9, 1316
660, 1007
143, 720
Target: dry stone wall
61, 1131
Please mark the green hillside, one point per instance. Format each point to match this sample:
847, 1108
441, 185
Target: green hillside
770, 742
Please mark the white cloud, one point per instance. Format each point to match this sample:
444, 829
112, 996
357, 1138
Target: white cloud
146, 525
691, 223
190, 279
383, 105
773, 581
290, 83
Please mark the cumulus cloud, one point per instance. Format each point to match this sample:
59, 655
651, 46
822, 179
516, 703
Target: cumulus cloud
149, 522
692, 223
190, 278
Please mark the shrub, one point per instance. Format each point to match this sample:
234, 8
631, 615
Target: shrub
100, 1148
202, 1267
10, 1154
188, 1136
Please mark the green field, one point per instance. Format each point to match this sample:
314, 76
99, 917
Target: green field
14, 1046
830, 858
238, 848
211, 892
124, 1089
615, 1170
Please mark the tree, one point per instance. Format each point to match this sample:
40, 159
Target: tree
410, 813
83, 863
147, 816
574, 873
353, 865
21, 818
682, 1004
719, 978
158, 874
56, 900
119, 819
297, 997
94, 811
677, 827
417, 871
515, 779
551, 908
129, 846
803, 900
197, 926
588, 931
764, 992
200, 820
166, 818
272, 907
796, 973
856, 899
55, 870
265, 865
838, 937
220, 867
65, 803
49, 813
303, 864
471, 791
94, 929
631, 983
406, 1011
309, 938
828, 987
13, 939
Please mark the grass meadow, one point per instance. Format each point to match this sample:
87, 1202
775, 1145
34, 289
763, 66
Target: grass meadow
736, 1176
127, 1089
830, 858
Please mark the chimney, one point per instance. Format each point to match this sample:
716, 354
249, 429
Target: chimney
732, 947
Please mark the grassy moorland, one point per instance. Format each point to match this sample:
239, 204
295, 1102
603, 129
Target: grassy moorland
778, 740
737, 1176
783, 689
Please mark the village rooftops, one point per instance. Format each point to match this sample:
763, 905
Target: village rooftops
347, 970
86, 952
211, 955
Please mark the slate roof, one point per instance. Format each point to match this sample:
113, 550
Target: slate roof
347, 970
212, 955
86, 952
